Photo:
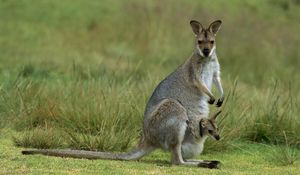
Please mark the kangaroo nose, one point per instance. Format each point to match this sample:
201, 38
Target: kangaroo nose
217, 137
206, 52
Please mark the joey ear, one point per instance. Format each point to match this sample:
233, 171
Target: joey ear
196, 26
215, 26
201, 127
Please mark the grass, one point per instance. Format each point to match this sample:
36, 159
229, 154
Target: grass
285, 155
243, 159
77, 74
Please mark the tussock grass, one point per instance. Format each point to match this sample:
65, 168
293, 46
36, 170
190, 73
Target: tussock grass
90, 116
283, 155
39, 138
258, 119
277, 115
111, 118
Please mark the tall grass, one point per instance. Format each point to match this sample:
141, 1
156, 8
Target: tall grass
86, 114
90, 116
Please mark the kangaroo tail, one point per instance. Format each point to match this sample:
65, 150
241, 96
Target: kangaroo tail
135, 154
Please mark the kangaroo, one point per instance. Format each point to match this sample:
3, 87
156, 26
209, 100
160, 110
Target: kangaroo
169, 128
176, 115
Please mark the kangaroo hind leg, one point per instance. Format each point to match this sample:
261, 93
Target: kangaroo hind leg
178, 160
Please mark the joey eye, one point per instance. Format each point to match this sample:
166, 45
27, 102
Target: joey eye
210, 131
212, 42
200, 42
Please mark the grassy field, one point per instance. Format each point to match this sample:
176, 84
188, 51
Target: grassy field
244, 159
77, 74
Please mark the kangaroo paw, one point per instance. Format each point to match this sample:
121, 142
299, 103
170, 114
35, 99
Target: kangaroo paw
211, 101
219, 102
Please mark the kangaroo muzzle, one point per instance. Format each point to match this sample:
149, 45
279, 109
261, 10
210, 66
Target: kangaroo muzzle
206, 52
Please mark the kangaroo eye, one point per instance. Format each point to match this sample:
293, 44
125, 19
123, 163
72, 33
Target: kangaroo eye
212, 42
210, 131
199, 42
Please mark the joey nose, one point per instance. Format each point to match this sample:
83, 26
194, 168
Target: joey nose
206, 52
217, 137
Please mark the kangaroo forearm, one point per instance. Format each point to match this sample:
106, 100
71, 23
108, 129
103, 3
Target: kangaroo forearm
202, 88
217, 81
220, 89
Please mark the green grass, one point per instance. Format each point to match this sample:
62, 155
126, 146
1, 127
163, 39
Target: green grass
243, 159
78, 74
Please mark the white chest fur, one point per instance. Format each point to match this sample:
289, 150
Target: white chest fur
206, 73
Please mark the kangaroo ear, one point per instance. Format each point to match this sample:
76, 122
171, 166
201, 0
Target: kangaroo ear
201, 127
196, 26
215, 26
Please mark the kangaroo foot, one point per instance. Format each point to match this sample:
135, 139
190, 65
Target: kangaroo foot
213, 164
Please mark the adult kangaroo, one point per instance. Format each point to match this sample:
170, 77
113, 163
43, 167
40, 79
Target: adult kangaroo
176, 116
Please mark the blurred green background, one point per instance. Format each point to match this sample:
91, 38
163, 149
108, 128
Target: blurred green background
78, 73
